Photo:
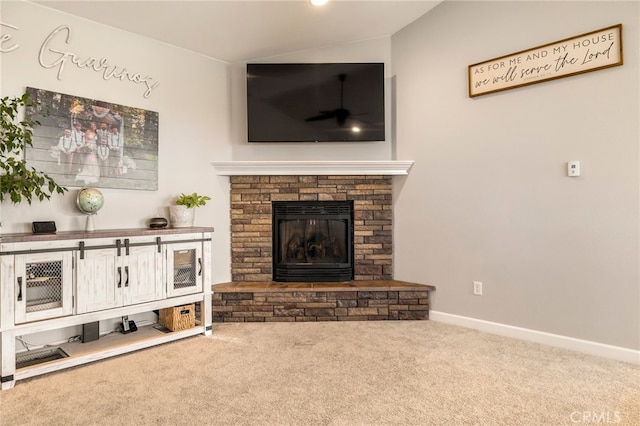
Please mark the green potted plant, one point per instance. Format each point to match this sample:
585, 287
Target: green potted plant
192, 200
18, 182
182, 213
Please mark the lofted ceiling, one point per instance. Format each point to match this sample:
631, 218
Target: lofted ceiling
240, 30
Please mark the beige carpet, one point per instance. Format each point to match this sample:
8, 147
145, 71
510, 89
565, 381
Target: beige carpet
347, 373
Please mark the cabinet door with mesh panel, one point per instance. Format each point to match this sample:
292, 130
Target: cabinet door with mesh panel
44, 286
183, 268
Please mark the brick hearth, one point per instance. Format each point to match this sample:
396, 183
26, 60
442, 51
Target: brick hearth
348, 301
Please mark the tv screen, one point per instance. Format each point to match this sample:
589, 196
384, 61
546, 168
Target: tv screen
328, 102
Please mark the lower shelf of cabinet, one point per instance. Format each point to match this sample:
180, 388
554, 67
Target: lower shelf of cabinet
107, 346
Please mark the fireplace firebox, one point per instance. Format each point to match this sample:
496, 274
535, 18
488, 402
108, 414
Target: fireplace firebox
312, 241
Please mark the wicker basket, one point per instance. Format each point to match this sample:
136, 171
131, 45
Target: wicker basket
178, 317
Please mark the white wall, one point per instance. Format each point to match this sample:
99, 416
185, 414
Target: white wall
192, 100
377, 50
488, 198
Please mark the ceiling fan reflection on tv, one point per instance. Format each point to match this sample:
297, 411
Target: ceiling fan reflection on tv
341, 114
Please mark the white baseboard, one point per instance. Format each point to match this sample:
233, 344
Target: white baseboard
583, 346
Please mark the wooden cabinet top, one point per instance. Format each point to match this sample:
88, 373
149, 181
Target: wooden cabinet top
107, 233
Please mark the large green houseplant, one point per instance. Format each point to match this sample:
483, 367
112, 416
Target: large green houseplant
18, 182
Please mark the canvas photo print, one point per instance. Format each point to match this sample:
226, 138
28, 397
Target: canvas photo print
85, 142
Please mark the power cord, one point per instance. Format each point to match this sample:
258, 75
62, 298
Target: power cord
77, 338
29, 346
24, 343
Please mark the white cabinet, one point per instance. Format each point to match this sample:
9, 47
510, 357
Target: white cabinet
130, 272
64, 280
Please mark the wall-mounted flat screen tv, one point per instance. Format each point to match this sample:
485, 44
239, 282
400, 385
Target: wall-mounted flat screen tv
315, 102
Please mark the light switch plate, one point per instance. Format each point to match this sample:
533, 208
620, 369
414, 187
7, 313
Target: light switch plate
573, 168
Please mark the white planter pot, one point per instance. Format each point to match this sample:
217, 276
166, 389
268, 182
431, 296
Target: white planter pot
181, 216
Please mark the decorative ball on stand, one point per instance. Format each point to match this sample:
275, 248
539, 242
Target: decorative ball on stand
89, 201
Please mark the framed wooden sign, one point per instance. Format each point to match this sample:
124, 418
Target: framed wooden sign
575, 55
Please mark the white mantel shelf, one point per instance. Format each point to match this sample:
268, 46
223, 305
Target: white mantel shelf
322, 168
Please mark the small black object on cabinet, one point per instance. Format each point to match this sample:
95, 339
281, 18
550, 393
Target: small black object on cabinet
48, 227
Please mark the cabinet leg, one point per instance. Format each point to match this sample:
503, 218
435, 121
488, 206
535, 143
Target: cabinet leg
206, 313
9, 384
8, 356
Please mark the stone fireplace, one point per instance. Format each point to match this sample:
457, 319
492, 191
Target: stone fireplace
372, 293
251, 220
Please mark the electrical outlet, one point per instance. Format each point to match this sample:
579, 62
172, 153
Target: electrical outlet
477, 288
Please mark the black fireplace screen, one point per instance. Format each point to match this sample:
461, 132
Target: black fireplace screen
313, 241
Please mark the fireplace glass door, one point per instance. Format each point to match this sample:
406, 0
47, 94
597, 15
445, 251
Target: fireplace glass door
313, 241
